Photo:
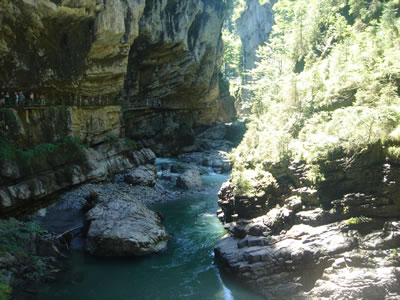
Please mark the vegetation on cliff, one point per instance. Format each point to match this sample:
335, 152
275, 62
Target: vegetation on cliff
327, 85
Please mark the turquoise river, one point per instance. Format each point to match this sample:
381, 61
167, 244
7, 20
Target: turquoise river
187, 270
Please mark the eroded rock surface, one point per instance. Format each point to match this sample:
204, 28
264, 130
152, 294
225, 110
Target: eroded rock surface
254, 26
93, 125
24, 183
67, 47
124, 227
335, 239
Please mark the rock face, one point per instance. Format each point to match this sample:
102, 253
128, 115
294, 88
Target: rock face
92, 125
334, 239
173, 72
124, 227
67, 47
159, 58
24, 183
177, 57
254, 27
167, 52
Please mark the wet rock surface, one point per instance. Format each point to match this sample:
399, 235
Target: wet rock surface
190, 179
337, 239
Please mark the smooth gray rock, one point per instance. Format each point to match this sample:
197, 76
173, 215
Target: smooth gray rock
124, 227
144, 175
190, 179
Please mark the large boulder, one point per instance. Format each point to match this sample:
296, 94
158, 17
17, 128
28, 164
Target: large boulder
144, 175
124, 227
190, 179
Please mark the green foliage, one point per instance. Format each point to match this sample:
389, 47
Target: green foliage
111, 139
327, 83
5, 291
247, 181
233, 65
10, 119
395, 254
15, 240
14, 234
131, 143
10, 151
358, 220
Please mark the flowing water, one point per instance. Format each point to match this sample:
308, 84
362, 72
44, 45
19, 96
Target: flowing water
187, 270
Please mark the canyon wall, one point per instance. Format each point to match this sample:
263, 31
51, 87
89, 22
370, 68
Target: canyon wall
159, 60
160, 50
254, 26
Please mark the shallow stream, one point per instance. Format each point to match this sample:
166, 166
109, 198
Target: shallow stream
187, 270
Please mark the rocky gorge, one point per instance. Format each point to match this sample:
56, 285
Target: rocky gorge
96, 184
337, 239
157, 64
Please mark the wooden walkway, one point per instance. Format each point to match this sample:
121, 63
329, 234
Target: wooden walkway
124, 107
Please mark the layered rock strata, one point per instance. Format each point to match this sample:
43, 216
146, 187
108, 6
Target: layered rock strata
24, 183
29, 127
176, 59
67, 47
152, 53
333, 239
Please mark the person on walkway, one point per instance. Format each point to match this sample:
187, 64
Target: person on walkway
8, 102
31, 99
16, 99
42, 100
2, 99
21, 99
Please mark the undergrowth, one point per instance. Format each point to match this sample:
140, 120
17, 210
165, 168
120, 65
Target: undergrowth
13, 152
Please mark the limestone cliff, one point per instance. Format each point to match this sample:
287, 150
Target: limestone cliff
169, 51
159, 58
64, 47
254, 27
177, 57
33, 126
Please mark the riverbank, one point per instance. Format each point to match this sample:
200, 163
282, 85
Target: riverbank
143, 183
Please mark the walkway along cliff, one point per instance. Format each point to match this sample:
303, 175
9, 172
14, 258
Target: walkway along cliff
138, 52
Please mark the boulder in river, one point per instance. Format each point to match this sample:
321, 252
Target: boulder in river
124, 227
190, 179
144, 175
